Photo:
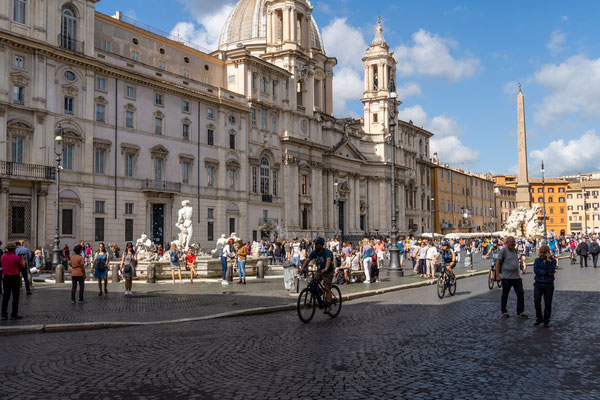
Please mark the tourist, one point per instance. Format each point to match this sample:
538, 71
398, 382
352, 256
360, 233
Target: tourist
508, 262
100, 266
161, 251
190, 260
229, 256
25, 255
379, 251
38, 261
127, 268
11, 272
594, 251
295, 252
457, 251
430, 255
77, 274
422, 259
175, 265
88, 254
367, 259
414, 256
582, 251
544, 269
1, 254
241, 261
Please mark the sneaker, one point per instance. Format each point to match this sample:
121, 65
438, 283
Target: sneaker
538, 322
505, 315
224, 283
523, 316
16, 317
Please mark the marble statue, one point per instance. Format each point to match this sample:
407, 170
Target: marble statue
523, 222
221, 242
256, 246
185, 225
144, 246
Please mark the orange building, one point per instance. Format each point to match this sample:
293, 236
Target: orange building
554, 191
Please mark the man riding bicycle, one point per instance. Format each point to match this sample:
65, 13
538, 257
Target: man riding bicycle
324, 262
493, 250
448, 258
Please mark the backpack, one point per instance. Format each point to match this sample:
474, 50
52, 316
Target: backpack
174, 257
595, 248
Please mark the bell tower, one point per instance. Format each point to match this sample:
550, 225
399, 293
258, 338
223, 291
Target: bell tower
380, 82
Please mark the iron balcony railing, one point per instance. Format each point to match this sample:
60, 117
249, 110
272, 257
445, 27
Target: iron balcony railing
268, 221
31, 171
68, 43
160, 186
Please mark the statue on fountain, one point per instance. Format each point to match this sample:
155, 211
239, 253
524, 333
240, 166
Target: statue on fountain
523, 222
185, 225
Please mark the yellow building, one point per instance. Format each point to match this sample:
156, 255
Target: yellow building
554, 191
505, 190
583, 207
463, 201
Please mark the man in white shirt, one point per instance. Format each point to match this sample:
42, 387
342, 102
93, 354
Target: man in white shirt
430, 256
334, 246
457, 250
295, 252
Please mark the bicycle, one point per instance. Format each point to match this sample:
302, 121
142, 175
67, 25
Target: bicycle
492, 277
445, 281
314, 295
573, 257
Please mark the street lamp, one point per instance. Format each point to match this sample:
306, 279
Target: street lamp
433, 215
544, 201
58, 147
336, 202
395, 267
491, 218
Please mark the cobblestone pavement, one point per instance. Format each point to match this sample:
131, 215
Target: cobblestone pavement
51, 304
404, 345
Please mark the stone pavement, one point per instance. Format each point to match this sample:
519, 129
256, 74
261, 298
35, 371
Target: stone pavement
50, 304
402, 345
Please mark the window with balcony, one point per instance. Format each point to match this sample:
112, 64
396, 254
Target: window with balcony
158, 169
69, 105
68, 28
19, 94
17, 152
265, 176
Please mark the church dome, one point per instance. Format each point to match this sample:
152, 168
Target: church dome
247, 24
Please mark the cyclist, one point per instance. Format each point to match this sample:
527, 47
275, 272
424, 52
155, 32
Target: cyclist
572, 247
493, 250
324, 262
448, 257
521, 252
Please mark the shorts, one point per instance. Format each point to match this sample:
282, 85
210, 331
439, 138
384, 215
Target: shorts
327, 279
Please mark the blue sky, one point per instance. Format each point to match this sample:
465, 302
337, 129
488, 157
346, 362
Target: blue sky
459, 64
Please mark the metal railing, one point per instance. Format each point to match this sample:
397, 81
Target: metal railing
268, 221
267, 198
32, 171
70, 44
160, 186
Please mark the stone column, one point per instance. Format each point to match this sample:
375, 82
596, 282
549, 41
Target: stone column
329, 95
384, 206
401, 200
287, 187
330, 206
3, 134
286, 24
357, 202
270, 27
294, 198
350, 206
4, 77
317, 200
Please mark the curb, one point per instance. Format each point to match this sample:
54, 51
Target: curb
86, 326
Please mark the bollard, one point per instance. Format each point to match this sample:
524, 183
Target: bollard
115, 273
151, 273
260, 270
60, 273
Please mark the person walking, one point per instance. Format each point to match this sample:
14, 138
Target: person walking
367, 259
25, 255
1, 254
77, 274
175, 265
595, 251
507, 271
583, 251
127, 268
544, 269
241, 261
100, 265
422, 260
430, 255
12, 265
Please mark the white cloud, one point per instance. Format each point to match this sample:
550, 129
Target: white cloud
451, 151
409, 89
574, 88
430, 55
416, 114
577, 155
348, 44
209, 19
556, 42
443, 125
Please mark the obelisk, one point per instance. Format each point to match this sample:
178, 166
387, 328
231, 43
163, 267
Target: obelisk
523, 195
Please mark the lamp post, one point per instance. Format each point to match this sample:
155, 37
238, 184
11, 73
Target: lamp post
544, 202
336, 201
433, 228
395, 268
58, 267
585, 197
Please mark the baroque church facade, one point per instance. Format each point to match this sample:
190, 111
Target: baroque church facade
246, 133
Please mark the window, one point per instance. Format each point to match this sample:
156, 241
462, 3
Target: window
275, 176
130, 92
579, 196
561, 199
562, 210
550, 200
263, 84
18, 150
254, 79
254, 179
158, 126
265, 176
19, 94
19, 61
19, 11
232, 141
68, 29
210, 231
68, 157
186, 73
99, 162
569, 196
100, 83
253, 117
186, 131
210, 113
551, 210
231, 225
129, 230
129, 165
129, 119
561, 190
211, 213
274, 88
579, 208
540, 199
18, 212
162, 65
135, 55
274, 122
550, 190
569, 208
129, 208
186, 106
100, 111
99, 207
69, 105
158, 99
67, 222
231, 78
99, 229
207, 80
106, 45
540, 190
375, 117
185, 173
232, 180
211, 137
304, 184
210, 177
263, 118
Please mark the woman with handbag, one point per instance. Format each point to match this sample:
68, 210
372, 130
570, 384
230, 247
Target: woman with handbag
100, 268
127, 267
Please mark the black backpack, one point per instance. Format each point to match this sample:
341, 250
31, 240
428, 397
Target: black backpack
594, 248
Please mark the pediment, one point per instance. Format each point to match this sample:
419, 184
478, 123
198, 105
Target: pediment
159, 149
345, 148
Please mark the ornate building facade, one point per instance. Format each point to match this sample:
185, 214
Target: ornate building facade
246, 133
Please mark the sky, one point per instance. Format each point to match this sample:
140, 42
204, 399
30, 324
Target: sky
459, 66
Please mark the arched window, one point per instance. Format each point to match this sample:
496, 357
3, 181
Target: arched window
265, 176
68, 28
